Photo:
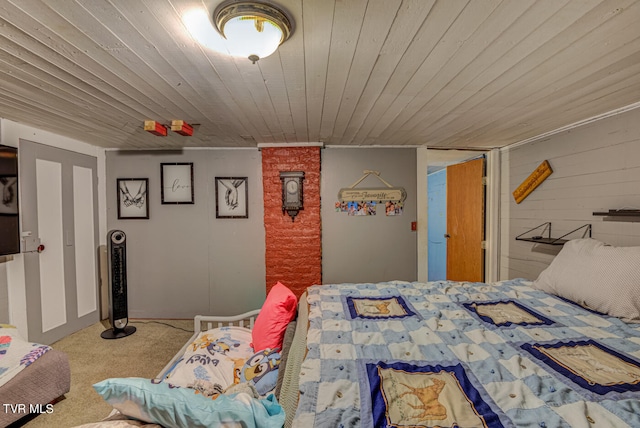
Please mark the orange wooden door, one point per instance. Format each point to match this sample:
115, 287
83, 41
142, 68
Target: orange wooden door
465, 221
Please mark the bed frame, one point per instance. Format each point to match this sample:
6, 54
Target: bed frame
208, 322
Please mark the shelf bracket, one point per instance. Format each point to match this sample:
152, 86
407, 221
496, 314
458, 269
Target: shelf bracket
546, 227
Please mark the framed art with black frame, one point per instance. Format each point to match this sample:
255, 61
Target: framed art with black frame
9, 190
177, 183
133, 198
9, 218
232, 196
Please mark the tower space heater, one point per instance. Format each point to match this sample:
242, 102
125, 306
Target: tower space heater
117, 269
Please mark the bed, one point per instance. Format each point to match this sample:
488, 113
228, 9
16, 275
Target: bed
560, 351
515, 353
32, 376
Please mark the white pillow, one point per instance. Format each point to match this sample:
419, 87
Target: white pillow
597, 276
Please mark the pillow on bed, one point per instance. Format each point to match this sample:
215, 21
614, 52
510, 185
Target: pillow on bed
213, 360
599, 277
171, 406
261, 370
278, 310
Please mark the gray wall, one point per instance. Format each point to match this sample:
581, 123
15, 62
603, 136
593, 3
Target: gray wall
183, 261
368, 248
596, 167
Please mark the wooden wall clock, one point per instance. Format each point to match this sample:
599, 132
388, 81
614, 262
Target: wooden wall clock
292, 195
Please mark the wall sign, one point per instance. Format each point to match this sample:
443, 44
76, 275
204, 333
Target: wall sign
379, 194
395, 194
364, 201
532, 181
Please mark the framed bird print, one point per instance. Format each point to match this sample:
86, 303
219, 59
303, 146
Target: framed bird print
133, 201
232, 197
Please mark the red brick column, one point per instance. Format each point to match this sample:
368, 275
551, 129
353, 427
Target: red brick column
293, 249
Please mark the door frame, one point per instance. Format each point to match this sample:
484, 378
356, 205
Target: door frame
424, 157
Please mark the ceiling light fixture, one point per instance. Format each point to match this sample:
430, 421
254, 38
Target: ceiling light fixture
252, 29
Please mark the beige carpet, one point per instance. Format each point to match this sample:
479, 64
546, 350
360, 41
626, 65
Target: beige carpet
92, 359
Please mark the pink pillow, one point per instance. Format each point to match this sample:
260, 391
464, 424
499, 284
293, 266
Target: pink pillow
276, 313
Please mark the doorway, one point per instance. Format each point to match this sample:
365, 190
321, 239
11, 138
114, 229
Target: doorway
452, 221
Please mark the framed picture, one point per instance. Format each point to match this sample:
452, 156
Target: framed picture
177, 183
232, 197
9, 194
133, 198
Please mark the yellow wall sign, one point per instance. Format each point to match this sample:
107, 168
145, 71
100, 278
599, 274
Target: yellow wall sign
532, 181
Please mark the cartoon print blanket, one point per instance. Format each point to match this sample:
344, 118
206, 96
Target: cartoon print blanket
222, 357
401, 354
15, 353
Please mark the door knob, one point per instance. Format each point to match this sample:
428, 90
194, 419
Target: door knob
446, 235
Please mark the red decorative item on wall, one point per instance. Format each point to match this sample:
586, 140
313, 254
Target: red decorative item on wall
293, 249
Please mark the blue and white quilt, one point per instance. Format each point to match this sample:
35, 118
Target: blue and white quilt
456, 354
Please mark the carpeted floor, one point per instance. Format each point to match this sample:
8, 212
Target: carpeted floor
92, 359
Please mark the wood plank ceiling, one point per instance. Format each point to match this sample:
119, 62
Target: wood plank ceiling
441, 73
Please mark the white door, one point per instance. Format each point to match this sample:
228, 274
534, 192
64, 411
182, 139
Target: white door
59, 207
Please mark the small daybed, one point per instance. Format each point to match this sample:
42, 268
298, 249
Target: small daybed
228, 372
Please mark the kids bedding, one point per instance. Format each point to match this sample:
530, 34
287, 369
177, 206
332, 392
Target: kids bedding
446, 354
31, 374
225, 376
222, 357
16, 354
220, 380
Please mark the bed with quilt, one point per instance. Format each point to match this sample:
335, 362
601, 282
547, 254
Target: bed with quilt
560, 351
32, 376
515, 353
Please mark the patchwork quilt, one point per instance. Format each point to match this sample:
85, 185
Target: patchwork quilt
16, 354
457, 354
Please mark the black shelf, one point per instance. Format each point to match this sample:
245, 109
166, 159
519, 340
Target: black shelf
548, 240
620, 215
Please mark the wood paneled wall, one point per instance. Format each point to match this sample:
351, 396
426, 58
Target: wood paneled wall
596, 168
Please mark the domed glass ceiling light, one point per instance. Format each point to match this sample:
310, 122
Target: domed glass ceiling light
252, 29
